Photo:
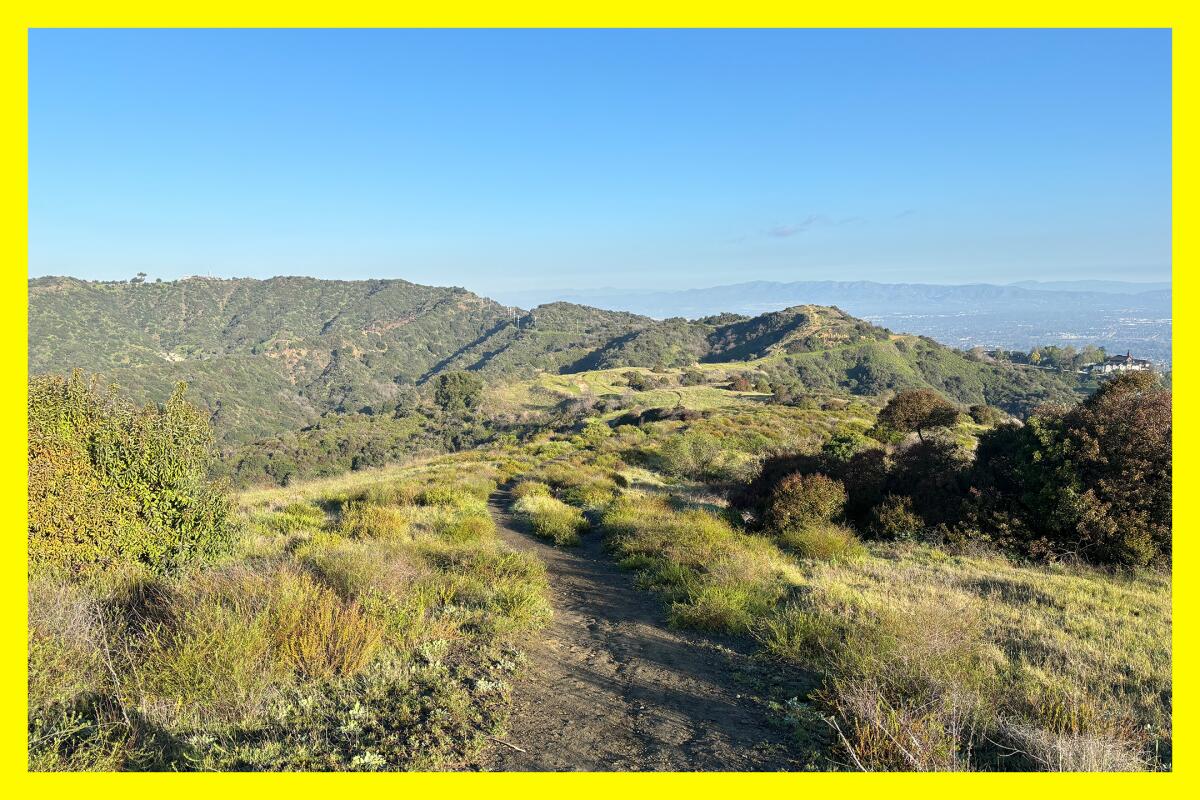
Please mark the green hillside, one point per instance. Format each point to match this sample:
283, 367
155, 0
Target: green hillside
268, 356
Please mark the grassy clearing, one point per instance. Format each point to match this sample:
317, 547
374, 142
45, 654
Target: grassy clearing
950, 662
361, 625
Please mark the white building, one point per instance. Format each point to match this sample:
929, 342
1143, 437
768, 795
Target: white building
1125, 363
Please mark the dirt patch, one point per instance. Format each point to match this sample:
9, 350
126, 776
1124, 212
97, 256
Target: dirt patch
610, 686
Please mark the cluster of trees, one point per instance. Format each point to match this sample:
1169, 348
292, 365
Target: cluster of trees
447, 420
1064, 358
1091, 481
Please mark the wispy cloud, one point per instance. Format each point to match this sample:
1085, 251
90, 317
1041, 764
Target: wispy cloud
806, 224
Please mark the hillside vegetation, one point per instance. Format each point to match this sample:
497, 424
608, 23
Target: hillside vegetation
265, 357
372, 619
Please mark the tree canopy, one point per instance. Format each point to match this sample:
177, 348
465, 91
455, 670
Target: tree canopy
918, 410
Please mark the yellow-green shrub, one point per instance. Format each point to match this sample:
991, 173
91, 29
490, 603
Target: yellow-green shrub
822, 541
551, 518
529, 488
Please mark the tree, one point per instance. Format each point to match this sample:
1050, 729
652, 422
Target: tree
918, 410
457, 392
1093, 480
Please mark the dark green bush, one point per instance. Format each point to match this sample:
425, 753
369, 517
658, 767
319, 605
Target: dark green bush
457, 392
1092, 481
894, 518
986, 415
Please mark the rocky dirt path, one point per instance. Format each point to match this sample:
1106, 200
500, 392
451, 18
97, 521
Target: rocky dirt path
609, 686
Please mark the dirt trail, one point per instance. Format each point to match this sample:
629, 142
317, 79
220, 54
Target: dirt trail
609, 686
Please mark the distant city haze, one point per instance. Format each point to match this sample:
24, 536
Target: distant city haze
1119, 316
508, 161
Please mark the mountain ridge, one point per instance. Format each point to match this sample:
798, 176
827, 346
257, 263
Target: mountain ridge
271, 355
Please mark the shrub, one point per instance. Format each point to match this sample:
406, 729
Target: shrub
894, 519
457, 392
529, 488
1093, 481
111, 483
297, 516
801, 500
910, 686
720, 608
595, 432
467, 525
741, 383
442, 496
639, 382
986, 415
318, 633
823, 541
843, 445
235, 639
551, 518
692, 455
594, 494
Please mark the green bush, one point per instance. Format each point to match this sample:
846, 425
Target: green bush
802, 500
894, 518
112, 483
986, 415
457, 392
692, 455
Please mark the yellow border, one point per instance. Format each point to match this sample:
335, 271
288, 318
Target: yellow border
538, 13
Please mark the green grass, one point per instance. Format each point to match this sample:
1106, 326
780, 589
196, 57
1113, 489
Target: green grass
929, 660
551, 518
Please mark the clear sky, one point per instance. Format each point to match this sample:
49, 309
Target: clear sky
583, 159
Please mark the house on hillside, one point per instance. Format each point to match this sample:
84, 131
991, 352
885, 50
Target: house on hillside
1125, 363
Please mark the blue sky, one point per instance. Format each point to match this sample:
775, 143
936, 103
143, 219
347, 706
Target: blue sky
518, 159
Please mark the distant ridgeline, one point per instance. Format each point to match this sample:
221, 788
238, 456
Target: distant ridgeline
267, 356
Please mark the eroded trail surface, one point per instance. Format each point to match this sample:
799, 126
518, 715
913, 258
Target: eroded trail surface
610, 686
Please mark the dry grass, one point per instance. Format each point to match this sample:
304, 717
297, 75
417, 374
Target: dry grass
359, 626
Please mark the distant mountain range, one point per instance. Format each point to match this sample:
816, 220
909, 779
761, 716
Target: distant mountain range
1109, 287
268, 356
1116, 315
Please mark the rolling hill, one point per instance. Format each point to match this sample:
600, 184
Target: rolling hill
268, 356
